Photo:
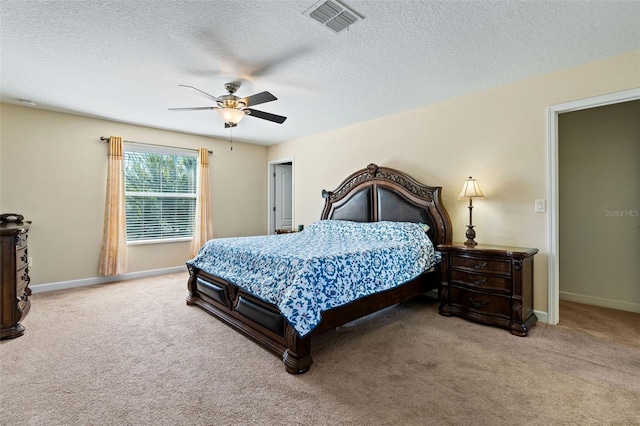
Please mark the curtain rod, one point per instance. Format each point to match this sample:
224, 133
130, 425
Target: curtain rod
105, 139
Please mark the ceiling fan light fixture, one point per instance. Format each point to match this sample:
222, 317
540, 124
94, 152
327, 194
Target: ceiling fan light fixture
231, 116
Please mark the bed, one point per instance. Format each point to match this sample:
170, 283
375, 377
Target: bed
371, 198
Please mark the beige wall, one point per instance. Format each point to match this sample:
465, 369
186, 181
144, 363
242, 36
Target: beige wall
498, 136
53, 171
599, 157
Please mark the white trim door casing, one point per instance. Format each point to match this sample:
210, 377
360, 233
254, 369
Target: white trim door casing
271, 191
283, 197
553, 288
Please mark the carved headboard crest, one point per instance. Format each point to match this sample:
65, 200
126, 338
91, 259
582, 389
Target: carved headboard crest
381, 193
372, 171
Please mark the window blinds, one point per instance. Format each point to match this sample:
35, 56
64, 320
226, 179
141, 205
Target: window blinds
160, 194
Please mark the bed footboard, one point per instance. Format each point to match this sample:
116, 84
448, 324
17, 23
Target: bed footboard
253, 317
262, 321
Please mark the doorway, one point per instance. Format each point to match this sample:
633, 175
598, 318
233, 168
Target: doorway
599, 205
553, 278
281, 195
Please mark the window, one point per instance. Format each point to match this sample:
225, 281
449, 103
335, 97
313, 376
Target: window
160, 193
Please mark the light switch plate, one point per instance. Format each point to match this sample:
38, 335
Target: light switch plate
541, 206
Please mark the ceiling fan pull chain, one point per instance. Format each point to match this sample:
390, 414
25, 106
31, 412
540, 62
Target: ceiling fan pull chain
231, 137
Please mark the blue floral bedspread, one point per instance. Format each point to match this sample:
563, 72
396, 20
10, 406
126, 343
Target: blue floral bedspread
329, 264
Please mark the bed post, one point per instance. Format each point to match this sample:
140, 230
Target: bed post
297, 357
191, 285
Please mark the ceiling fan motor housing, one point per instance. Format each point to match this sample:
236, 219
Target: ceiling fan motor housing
231, 87
231, 101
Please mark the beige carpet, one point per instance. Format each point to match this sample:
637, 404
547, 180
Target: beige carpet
133, 353
603, 323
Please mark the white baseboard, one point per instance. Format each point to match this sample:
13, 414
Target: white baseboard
542, 316
61, 285
620, 305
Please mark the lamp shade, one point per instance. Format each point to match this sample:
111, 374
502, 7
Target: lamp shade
231, 115
470, 189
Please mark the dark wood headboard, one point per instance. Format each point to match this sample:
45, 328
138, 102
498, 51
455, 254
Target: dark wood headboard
378, 193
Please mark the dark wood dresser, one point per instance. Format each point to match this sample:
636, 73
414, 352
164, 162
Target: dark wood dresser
489, 284
15, 291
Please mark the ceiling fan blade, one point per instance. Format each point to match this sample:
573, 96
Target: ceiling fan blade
266, 116
259, 98
191, 108
204, 93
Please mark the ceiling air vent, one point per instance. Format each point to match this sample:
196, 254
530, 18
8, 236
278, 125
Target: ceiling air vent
333, 14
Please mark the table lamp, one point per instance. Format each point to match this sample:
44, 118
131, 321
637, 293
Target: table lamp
470, 190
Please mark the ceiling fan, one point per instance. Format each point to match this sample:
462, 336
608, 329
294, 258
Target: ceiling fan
232, 108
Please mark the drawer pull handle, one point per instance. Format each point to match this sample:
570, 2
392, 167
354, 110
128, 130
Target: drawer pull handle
478, 283
478, 304
477, 267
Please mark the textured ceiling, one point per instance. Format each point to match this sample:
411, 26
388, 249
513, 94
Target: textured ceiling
124, 60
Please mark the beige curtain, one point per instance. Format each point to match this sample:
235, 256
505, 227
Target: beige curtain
113, 256
203, 227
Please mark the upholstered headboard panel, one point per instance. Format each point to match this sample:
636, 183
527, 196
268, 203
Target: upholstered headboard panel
379, 193
357, 207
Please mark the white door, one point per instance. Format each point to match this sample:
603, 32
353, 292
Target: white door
283, 210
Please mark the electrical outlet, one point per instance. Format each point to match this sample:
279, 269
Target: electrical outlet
540, 206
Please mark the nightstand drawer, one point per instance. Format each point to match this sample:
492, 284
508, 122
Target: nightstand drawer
481, 281
478, 264
482, 303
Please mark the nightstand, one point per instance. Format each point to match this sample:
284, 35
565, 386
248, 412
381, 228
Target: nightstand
489, 284
286, 231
